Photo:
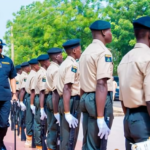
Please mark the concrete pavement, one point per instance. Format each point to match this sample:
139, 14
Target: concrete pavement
115, 141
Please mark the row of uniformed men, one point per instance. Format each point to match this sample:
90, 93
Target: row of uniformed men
53, 90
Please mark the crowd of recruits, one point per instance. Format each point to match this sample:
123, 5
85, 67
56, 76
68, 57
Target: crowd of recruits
91, 96
53, 90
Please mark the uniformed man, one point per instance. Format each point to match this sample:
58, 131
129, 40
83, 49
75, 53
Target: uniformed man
114, 88
53, 117
68, 88
41, 102
32, 90
134, 80
23, 95
18, 77
7, 71
95, 69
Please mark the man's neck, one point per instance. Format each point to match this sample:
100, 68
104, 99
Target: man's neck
143, 41
100, 39
43, 66
33, 69
55, 61
72, 56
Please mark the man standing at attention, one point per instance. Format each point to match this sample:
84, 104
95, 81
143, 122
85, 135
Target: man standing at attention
68, 87
96, 104
53, 117
134, 78
32, 91
7, 71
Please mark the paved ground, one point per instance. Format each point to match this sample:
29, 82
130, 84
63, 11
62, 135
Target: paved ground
115, 142
117, 104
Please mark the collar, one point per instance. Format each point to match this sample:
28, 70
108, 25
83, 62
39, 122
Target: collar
1, 56
33, 71
52, 62
23, 72
141, 45
71, 58
42, 68
100, 43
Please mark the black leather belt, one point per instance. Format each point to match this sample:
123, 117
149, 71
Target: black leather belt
139, 109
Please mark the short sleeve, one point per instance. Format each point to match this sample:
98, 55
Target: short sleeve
70, 74
17, 84
120, 94
33, 83
147, 82
55, 76
104, 66
12, 73
42, 82
23, 82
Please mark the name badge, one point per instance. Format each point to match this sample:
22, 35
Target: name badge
6, 63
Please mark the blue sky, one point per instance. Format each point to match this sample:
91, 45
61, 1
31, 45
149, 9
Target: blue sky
6, 10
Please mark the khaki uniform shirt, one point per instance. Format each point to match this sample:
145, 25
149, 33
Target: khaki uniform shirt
18, 82
68, 73
23, 79
110, 84
30, 83
51, 76
134, 77
95, 63
41, 81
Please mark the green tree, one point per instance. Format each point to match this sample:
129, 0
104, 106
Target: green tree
40, 26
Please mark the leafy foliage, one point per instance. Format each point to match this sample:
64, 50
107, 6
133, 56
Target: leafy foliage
40, 26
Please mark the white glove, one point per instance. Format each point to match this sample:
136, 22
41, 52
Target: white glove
57, 116
103, 128
72, 121
32, 108
18, 103
43, 114
23, 107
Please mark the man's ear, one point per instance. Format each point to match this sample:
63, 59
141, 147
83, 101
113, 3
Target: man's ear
74, 50
103, 32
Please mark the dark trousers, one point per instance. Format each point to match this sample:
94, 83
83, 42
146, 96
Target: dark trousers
37, 121
29, 118
91, 140
4, 115
136, 126
68, 136
52, 127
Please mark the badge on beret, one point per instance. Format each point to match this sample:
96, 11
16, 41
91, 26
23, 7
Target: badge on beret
108, 58
17, 82
25, 79
74, 69
43, 79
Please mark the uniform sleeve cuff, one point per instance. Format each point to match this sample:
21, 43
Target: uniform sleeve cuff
102, 76
69, 80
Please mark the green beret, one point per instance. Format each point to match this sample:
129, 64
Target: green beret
43, 57
100, 25
142, 23
71, 43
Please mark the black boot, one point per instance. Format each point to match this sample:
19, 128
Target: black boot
2, 146
2, 135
